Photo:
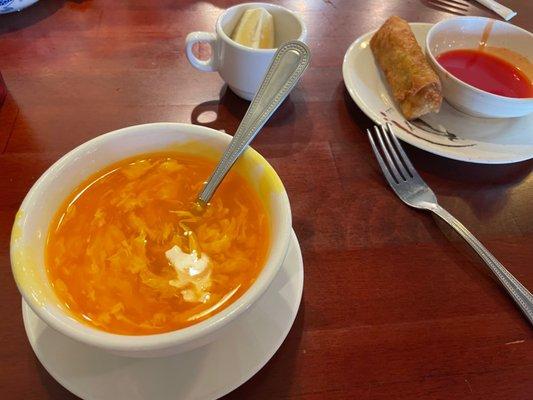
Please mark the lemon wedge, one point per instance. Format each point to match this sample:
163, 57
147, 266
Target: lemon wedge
255, 29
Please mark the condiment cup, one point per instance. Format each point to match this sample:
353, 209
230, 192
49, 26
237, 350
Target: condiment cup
29, 235
242, 67
466, 33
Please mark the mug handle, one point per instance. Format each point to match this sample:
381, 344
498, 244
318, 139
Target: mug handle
194, 37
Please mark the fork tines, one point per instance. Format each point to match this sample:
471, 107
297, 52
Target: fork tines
453, 6
391, 157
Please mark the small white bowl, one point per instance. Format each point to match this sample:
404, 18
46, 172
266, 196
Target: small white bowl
242, 67
466, 33
31, 226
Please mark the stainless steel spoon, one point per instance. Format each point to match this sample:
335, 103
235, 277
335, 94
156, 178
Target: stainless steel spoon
288, 65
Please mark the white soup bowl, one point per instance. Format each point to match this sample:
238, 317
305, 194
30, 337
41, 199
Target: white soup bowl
38, 209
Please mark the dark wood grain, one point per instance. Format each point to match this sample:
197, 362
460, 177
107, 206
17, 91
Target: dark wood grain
395, 306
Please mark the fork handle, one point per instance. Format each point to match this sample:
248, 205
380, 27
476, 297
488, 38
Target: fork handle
501, 10
516, 290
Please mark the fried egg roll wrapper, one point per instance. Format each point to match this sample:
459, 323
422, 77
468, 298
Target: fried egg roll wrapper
415, 86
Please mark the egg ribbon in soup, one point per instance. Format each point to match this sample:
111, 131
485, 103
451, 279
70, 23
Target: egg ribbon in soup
126, 255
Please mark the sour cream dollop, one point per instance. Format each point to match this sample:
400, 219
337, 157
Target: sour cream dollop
193, 274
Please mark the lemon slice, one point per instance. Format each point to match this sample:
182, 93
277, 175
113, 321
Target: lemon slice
255, 29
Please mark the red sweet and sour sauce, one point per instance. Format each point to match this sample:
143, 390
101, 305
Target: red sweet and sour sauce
487, 72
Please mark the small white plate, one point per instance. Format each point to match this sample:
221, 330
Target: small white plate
449, 133
205, 373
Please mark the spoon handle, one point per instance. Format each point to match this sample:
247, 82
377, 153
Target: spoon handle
288, 65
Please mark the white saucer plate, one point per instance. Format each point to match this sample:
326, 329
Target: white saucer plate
205, 373
449, 133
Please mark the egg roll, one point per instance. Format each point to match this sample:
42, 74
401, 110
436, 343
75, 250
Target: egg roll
414, 84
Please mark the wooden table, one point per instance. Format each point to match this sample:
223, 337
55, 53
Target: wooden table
394, 306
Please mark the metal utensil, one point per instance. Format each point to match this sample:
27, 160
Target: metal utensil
462, 6
288, 65
453, 6
413, 191
501, 10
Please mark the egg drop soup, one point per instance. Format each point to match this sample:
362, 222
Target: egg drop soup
127, 254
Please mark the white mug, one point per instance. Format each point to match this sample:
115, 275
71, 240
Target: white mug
242, 67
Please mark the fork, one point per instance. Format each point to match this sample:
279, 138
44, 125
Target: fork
462, 7
413, 191
453, 6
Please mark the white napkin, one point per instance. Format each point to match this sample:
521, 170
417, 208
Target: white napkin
502, 11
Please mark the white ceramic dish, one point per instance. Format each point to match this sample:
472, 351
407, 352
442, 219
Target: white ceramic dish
9, 6
450, 133
241, 67
40, 205
466, 33
205, 373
